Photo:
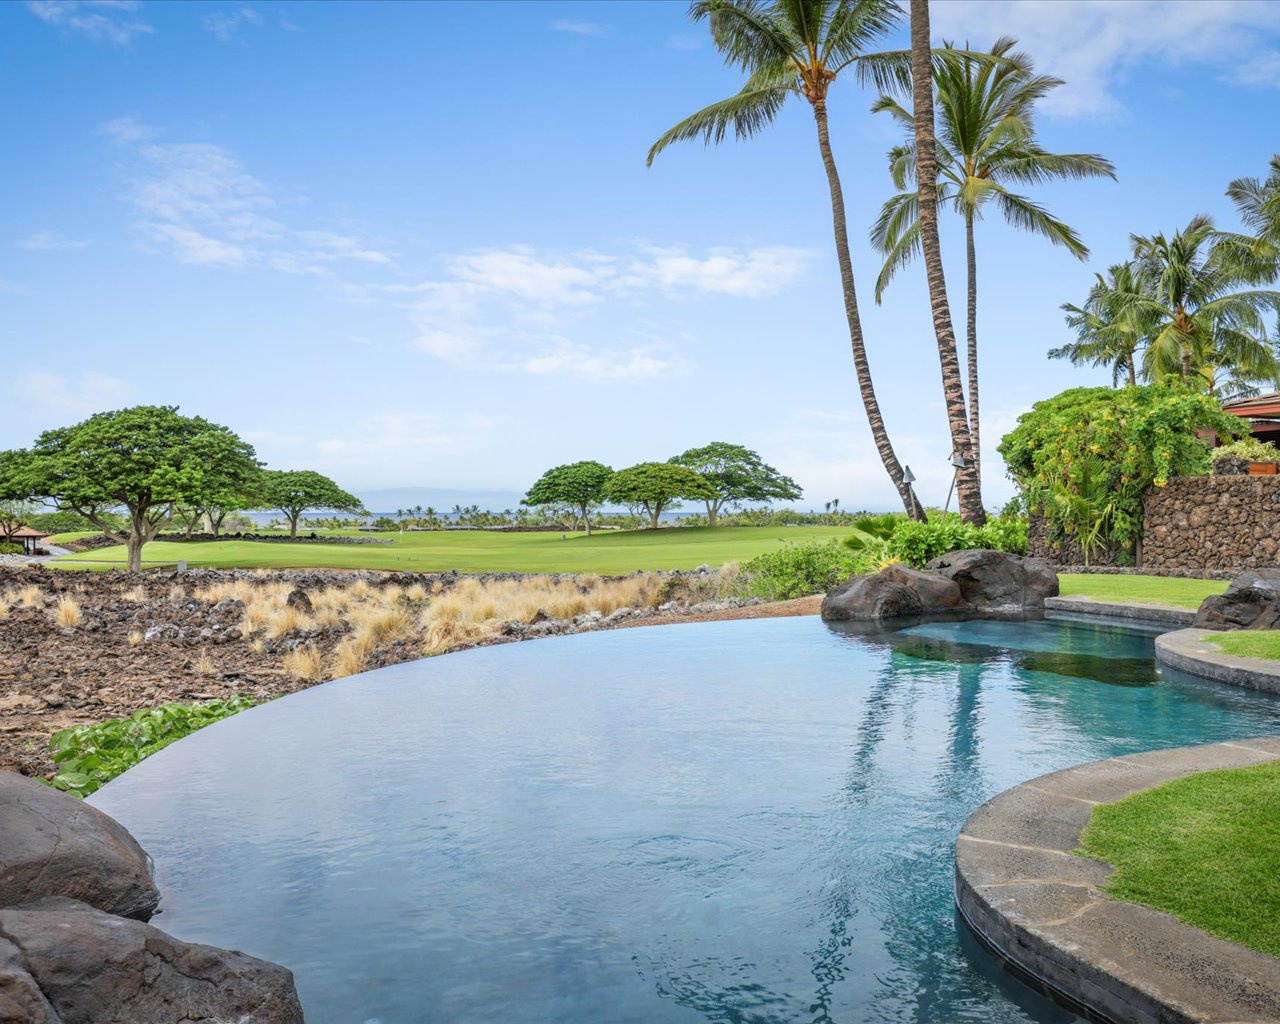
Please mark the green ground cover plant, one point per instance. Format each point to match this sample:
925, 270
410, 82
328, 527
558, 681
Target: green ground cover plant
1250, 643
90, 756
613, 552
799, 570
1177, 593
1202, 848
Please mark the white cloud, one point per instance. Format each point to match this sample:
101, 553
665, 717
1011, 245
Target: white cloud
580, 28
395, 445
109, 21
51, 241
508, 309
198, 201
225, 25
1095, 44
78, 396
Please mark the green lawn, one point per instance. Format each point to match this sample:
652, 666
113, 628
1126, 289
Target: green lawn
613, 552
1202, 848
1250, 643
1141, 589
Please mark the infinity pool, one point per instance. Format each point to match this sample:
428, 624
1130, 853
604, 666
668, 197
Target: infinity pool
736, 822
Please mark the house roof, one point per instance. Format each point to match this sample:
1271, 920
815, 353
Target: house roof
1262, 406
27, 531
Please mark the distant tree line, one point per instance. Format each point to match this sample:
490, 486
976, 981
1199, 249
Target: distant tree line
720, 475
131, 472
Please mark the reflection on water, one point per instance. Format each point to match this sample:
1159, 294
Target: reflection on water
737, 822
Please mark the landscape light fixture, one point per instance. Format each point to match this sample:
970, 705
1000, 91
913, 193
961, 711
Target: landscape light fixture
908, 477
957, 461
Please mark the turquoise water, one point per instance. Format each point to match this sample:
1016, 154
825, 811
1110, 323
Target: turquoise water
732, 822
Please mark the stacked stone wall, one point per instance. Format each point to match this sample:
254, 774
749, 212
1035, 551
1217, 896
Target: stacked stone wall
1213, 522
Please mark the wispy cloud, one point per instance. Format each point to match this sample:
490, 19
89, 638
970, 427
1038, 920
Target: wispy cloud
75, 396
198, 201
513, 309
109, 21
683, 42
1095, 44
226, 25
51, 241
580, 28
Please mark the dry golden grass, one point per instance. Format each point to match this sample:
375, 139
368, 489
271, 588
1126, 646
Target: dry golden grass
305, 663
67, 612
447, 635
285, 619
135, 595
4, 609
416, 592
177, 593
257, 646
204, 664
382, 625
31, 596
134, 638
239, 590
351, 656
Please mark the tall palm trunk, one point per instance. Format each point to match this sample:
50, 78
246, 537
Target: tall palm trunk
863, 370
975, 435
967, 487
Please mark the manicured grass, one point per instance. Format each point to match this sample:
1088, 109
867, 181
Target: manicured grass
1250, 643
614, 552
1178, 593
1202, 848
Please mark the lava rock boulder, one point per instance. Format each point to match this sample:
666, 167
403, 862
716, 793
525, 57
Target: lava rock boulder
996, 581
53, 844
1251, 601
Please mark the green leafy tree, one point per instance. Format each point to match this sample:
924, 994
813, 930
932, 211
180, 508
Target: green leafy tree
986, 142
799, 48
1089, 455
578, 486
145, 460
294, 491
14, 515
655, 487
736, 474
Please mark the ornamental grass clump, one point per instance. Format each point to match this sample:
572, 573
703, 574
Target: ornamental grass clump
67, 612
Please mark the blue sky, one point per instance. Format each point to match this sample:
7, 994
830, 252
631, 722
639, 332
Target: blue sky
417, 244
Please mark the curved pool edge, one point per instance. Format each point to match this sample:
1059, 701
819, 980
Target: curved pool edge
1187, 651
1041, 911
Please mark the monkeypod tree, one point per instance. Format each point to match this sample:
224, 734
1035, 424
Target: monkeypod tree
145, 460
578, 486
14, 515
656, 487
294, 491
736, 474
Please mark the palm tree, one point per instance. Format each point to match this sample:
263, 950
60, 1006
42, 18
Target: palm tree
1204, 318
1111, 327
1259, 203
791, 48
968, 488
986, 141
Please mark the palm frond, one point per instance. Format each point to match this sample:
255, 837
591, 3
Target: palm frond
1022, 213
745, 114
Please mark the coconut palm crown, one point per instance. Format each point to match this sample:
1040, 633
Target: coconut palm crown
986, 142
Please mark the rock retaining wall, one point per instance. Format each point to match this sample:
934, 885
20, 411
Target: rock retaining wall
1213, 522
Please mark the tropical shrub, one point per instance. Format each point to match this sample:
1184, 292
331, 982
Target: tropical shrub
11, 549
1086, 457
798, 570
90, 756
918, 543
1248, 448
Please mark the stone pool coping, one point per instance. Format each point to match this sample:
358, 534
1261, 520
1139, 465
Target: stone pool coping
1189, 650
1041, 911
1159, 614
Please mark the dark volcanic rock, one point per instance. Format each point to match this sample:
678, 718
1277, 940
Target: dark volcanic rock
298, 599
1252, 601
94, 968
976, 582
998, 581
894, 593
52, 844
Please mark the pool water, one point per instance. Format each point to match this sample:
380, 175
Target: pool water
736, 822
